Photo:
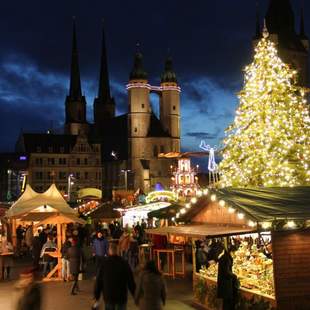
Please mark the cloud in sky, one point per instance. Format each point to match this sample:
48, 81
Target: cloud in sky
31, 99
207, 109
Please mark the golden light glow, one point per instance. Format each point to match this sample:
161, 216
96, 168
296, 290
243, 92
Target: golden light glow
268, 143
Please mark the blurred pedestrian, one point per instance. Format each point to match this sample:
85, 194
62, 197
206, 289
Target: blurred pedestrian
75, 257
48, 261
113, 281
7, 260
151, 288
29, 292
65, 265
36, 250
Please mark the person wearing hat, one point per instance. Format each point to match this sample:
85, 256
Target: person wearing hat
29, 292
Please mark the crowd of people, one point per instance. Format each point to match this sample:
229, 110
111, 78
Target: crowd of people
113, 250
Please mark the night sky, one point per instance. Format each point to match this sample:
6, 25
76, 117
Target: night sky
210, 42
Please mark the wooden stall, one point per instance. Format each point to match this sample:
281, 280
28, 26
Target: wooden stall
283, 214
46, 208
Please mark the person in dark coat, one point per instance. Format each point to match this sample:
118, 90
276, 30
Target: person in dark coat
100, 249
30, 292
75, 257
151, 288
226, 281
113, 281
36, 250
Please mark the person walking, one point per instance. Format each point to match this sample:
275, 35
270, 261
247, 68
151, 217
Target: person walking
113, 281
65, 265
151, 289
75, 258
227, 281
100, 249
29, 292
124, 243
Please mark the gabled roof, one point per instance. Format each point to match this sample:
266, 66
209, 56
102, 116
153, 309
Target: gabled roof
32, 142
51, 201
267, 204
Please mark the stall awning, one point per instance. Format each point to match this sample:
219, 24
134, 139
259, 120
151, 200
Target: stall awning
30, 201
267, 204
203, 230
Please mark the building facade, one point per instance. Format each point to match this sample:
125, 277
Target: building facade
53, 158
293, 46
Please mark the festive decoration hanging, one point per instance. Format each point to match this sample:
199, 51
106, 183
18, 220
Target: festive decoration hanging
269, 142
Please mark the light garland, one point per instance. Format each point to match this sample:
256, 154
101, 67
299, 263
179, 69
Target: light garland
284, 224
269, 142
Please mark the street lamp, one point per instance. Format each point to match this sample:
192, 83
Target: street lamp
125, 171
70, 183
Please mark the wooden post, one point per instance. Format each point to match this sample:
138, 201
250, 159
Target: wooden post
14, 241
58, 249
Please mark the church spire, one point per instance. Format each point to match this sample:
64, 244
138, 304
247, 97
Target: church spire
75, 91
257, 26
104, 84
302, 32
280, 17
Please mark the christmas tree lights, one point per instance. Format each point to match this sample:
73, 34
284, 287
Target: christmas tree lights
268, 143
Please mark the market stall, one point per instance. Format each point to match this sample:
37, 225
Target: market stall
60, 220
41, 209
279, 217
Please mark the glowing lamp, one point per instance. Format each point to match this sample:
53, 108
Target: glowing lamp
188, 205
240, 216
291, 224
194, 200
206, 191
222, 203
183, 211
266, 225
231, 210
199, 193
251, 223
213, 197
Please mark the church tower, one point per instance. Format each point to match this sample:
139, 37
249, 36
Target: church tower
75, 122
293, 48
139, 103
104, 105
170, 104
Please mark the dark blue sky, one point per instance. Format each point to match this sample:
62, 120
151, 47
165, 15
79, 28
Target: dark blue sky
210, 42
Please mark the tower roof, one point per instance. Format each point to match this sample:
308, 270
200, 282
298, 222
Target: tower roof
75, 91
138, 72
280, 17
281, 21
168, 75
104, 83
302, 33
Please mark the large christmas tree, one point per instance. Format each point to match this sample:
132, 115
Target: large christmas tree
269, 142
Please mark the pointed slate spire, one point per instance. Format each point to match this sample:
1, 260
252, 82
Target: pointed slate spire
138, 72
168, 74
280, 17
104, 84
302, 32
75, 91
257, 28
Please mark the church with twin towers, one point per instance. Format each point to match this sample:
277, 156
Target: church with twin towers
121, 151
130, 143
